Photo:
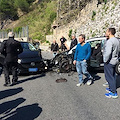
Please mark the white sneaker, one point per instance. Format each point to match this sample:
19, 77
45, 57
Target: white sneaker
89, 82
79, 84
105, 84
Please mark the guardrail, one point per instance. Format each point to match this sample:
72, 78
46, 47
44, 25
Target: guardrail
22, 34
24, 39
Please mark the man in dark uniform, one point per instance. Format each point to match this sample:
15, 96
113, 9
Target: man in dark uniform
63, 40
10, 48
74, 42
54, 48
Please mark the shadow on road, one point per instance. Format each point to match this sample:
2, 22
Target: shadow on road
10, 105
31, 78
29, 112
10, 92
95, 76
94, 73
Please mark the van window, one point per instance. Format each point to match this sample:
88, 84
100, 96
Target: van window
94, 43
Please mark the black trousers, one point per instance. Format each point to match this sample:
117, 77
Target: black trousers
63, 47
110, 76
10, 67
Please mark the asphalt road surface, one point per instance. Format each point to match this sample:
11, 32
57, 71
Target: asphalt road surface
39, 97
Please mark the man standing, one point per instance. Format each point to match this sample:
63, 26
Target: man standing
110, 56
74, 42
82, 54
63, 40
54, 48
104, 44
10, 48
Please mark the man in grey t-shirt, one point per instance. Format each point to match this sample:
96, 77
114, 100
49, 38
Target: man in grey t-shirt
110, 57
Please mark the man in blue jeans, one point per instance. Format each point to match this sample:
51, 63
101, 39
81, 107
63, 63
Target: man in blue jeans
110, 55
82, 54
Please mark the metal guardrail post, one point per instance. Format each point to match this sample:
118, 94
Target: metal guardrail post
23, 31
0, 34
27, 30
20, 34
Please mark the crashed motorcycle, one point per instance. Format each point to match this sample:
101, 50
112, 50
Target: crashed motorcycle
62, 62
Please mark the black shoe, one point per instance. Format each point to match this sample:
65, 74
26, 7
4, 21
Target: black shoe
7, 84
14, 83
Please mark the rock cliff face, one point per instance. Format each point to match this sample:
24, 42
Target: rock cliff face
93, 20
69, 9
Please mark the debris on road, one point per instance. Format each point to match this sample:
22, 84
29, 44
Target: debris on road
61, 80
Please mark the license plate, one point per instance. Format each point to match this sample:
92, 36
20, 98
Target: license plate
33, 69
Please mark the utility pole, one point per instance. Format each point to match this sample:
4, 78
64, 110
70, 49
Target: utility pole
58, 3
69, 6
58, 13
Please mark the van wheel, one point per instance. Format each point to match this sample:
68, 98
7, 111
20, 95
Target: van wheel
118, 68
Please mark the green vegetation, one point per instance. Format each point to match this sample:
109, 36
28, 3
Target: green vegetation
113, 7
106, 25
93, 15
39, 20
75, 31
22, 4
39, 17
47, 42
70, 34
9, 8
114, 3
94, 34
105, 1
106, 9
102, 14
91, 31
88, 37
15, 30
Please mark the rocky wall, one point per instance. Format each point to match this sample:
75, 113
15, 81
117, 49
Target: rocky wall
93, 21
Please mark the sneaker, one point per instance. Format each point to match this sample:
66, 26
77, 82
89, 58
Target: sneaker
111, 95
79, 84
108, 90
105, 84
89, 82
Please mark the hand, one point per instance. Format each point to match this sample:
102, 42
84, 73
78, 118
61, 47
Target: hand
84, 60
74, 62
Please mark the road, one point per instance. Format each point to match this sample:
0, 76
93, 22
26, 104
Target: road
39, 97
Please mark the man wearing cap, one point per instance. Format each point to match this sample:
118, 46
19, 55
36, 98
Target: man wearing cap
10, 48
